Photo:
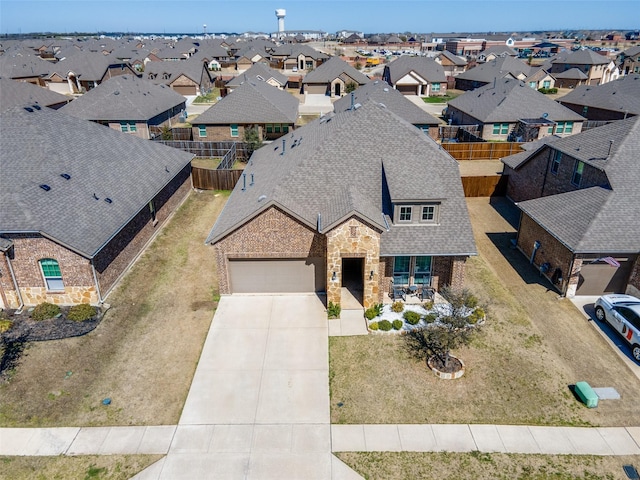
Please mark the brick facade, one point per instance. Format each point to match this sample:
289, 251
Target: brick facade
218, 133
633, 287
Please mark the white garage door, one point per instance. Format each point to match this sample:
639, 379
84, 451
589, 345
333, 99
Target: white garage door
277, 275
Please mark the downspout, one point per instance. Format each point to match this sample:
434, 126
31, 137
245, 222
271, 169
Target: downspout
95, 279
15, 283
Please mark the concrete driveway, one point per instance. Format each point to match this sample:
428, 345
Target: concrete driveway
258, 407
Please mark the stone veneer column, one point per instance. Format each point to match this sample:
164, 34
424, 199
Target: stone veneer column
353, 239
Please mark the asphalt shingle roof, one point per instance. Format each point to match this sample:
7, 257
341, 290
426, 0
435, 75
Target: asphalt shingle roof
124, 97
257, 72
621, 95
333, 168
497, 68
426, 68
332, 69
14, 93
39, 145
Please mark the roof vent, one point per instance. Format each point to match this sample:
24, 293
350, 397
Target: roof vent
108, 200
95, 196
385, 89
66, 176
37, 107
357, 106
262, 198
28, 109
45, 187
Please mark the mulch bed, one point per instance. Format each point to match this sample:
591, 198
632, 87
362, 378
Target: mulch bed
454, 364
25, 329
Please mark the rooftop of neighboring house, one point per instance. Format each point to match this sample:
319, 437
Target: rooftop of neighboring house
455, 59
125, 97
59, 171
254, 102
86, 65
357, 162
333, 68
497, 68
294, 50
168, 72
426, 68
380, 92
259, 72
13, 92
621, 95
571, 74
580, 57
509, 100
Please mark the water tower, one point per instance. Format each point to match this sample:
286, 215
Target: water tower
280, 13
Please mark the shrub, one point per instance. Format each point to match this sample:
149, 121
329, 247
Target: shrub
477, 315
81, 312
333, 310
548, 90
384, 325
411, 317
428, 305
430, 318
397, 324
397, 307
45, 310
373, 325
378, 307
370, 313
5, 325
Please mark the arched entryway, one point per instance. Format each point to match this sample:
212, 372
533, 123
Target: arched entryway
352, 283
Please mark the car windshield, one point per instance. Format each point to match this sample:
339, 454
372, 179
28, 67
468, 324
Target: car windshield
630, 315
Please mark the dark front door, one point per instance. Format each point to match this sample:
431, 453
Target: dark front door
336, 89
353, 278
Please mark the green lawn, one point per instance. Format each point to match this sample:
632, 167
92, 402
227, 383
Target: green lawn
442, 99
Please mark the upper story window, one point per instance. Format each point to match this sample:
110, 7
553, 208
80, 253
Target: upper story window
128, 127
564, 127
500, 128
405, 214
424, 128
202, 130
428, 213
52, 275
555, 164
234, 129
577, 173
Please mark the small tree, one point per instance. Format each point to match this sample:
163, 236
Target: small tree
252, 139
452, 330
350, 87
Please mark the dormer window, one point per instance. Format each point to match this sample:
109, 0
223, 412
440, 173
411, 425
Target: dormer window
428, 213
405, 214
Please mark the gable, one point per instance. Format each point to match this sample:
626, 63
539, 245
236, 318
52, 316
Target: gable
411, 78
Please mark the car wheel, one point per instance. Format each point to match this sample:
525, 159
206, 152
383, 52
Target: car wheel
600, 314
635, 351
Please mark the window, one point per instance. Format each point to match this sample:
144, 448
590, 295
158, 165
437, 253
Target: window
128, 127
500, 128
435, 87
405, 214
532, 85
52, 275
585, 109
557, 157
401, 270
577, 173
422, 270
269, 128
546, 84
202, 130
568, 127
152, 210
560, 127
234, 130
424, 128
428, 213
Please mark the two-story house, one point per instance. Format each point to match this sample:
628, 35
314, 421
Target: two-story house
360, 196
582, 67
630, 60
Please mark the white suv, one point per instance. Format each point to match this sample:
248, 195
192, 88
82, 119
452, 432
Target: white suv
623, 313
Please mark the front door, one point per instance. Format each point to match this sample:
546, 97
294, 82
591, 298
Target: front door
336, 89
352, 282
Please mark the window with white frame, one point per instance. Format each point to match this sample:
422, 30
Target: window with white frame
52, 274
428, 213
234, 130
128, 127
435, 87
500, 128
405, 214
546, 83
202, 130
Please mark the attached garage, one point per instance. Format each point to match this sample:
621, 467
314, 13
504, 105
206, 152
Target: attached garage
598, 276
185, 89
407, 89
297, 275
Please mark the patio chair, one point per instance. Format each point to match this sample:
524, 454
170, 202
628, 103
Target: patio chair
426, 292
397, 290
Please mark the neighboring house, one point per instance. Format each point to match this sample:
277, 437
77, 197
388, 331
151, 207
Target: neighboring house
332, 78
496, 51
248, 56
451, 64
24, 68
539, 78
613, 100
298, 58
486, 73
579, 199
630, 60
129, 104
187, 77
13, 93
595, 69
254, 104
509, 110
259, 72
354, 198
79, 203
420, 76
381, 93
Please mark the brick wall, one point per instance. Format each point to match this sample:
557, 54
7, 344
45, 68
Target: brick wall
272, 234
551, 251
218, 133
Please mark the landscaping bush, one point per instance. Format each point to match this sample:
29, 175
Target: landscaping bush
548, 90
5, 325
428, 305
371, 313
430, 318
81, 312
397, 324
373, 325
333, 310
397, 307
411, 317
385, 325
477, 315
45, 310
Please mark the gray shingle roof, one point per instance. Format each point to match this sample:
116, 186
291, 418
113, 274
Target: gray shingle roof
596, 220
259, 70
530, 148
333, 167
192, 69
571, 74
14, 93
125, 97
456, 60
508, 101
38, 146
621, 95
380, 92
332, 69
497, 68
580, 57
254, 101
85, 65
426, 68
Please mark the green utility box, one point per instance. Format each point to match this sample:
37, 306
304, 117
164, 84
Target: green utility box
586, 394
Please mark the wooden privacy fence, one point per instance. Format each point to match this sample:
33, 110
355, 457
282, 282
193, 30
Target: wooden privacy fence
209, 149
481, 151
485, 186
207, 179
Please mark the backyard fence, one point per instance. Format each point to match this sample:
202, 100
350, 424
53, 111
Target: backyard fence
207, 179
209, 149
482, 151
485, 186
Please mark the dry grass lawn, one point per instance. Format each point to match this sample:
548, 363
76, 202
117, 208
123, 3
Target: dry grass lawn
534, 347
485, 466
102, 467
143, 354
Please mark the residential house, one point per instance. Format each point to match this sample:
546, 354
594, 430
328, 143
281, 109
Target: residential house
380, 92
539, 78
630, 60
486, 73
79, 203
509, 110
131, 105
259, 72
332, 78
253, 104
496, 51
187, 77
14, 93
420, 76
613, 100
594, 69
298, 58
579, 200
25, 67
354, 198
451, 64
